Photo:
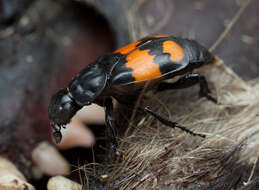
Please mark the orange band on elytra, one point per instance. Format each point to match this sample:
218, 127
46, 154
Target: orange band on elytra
126, 49
143, 65
174, 50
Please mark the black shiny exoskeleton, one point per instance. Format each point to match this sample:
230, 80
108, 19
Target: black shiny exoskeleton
123, 74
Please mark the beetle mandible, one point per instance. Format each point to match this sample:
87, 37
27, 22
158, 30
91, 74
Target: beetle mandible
124, 73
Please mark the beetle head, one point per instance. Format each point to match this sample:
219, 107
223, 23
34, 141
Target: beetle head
61, 109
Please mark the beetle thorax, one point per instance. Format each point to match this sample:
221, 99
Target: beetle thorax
88, 84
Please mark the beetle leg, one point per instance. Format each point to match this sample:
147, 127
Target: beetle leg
188, 81
108, 120
169, 123
165, 120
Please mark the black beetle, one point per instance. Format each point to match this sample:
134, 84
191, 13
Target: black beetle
123, 74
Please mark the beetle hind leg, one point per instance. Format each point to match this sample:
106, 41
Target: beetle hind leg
204, 89
188, 81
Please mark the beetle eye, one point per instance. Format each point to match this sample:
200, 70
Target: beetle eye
67, 106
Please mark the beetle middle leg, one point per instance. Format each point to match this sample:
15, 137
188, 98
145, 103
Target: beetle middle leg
164, 120
169, 123
188, 81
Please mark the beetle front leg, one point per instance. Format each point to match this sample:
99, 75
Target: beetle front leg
188, 81
108, 120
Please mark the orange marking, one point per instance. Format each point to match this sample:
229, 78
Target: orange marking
143, 65
127, 49
175, 50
